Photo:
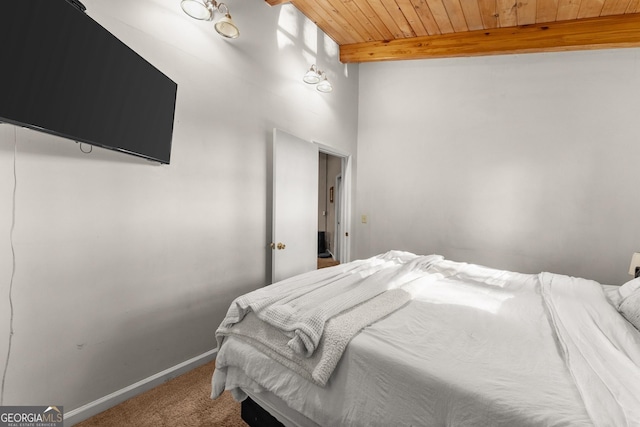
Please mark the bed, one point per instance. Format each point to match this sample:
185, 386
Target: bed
407, 340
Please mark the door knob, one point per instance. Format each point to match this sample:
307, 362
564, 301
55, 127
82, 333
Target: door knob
281, 246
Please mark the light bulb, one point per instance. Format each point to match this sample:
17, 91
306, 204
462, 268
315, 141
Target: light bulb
197, 9
324, 86
312, 77
226, 28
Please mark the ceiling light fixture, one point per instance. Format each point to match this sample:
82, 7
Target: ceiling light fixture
204, 10
324, 86
312, 77
317, 76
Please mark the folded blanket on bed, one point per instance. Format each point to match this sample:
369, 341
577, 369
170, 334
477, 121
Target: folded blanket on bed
601, 349
300, 307
337, 333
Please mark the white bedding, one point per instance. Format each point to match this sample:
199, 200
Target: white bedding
299, 307
601, 349
474, 348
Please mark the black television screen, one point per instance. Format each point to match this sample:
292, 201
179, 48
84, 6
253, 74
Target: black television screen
64, 74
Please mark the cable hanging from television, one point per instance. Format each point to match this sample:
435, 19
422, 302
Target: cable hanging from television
85, 152
77, 5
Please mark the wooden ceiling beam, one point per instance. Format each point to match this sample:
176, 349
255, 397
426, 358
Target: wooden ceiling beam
277, 2
585, 34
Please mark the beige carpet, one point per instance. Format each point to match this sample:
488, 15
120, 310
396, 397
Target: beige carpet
181, 402
327, 262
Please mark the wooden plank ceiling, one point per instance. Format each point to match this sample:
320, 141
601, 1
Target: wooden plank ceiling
383, 30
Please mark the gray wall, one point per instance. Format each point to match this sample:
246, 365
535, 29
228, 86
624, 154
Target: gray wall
124, 268
521, 162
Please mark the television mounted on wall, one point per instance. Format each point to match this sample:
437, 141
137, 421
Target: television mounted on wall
64, 74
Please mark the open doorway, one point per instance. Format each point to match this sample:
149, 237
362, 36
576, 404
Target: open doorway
329, 209
292, 208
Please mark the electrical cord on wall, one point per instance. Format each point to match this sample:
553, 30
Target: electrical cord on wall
85, 152
13, 260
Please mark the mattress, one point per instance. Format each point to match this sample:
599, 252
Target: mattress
475, 347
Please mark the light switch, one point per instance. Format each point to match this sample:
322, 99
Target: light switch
364, 219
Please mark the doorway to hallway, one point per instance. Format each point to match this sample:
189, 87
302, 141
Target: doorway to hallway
293, 207
329, 209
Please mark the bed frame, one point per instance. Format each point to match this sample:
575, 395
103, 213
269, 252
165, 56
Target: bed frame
256, 416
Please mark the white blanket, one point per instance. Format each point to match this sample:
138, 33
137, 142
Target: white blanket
601, 349
476, 346
339, 331
299, 307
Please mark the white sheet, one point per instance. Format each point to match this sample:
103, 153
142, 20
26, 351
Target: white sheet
601, 349
474, 348
613, 294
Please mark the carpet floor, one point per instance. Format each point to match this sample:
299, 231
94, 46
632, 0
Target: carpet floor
181, 402
327, 262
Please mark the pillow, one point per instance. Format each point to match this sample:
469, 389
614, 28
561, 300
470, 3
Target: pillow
629, 306
630, 309
630, 287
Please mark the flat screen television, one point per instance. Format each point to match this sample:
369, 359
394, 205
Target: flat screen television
64, 74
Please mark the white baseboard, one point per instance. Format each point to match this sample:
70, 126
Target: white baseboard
92, 408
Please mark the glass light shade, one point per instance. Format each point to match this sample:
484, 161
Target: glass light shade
312, 77
324, 86
198, 9
226, 28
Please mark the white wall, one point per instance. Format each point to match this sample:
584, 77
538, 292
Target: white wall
521, 162
124, 267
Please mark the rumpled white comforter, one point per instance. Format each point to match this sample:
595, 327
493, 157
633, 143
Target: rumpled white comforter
601, 349
299, 307
306, 322
475, 346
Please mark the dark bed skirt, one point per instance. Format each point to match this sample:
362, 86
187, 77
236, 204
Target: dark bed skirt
256, 416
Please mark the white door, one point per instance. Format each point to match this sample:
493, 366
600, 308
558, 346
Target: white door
295, 206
